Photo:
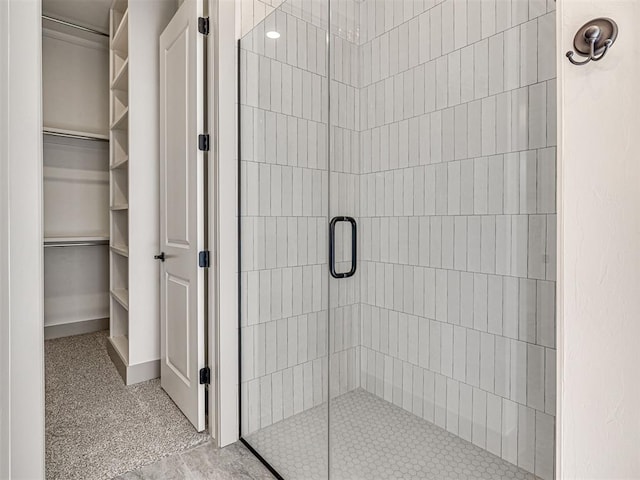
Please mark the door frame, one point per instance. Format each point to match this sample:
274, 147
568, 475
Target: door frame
22, 435
21, 257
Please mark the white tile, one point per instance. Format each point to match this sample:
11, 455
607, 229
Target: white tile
526, 438
440, 416
474, 140
550, 381
512, 58
494, 424
546, 181
496, 184
489, 126
428, 409
465, 421
503, 14
488, 244
480, 302
434, 346
466, 299
545, 314
519, 239
528, 53
496, 64
448, 135
453, 405
473, 358
518, 372
502, 366
536, 246
494, 304
488, 17
459, 353
520, 119
481, 185
487, 361
527, 310
535, 377
544, 458
453, 78
510, 431
446, 356
466, 187
538, 115
510, 307
453, 188
481, 65
503, 244
479, 428
467, 85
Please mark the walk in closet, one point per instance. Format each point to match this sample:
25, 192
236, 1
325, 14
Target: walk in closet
75, 178
100, 194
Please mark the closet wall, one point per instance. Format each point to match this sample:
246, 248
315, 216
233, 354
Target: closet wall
76, 180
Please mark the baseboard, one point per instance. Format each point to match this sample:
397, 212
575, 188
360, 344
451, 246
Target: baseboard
132, 374
75, 328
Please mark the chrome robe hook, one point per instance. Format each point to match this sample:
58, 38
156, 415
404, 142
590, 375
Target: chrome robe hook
593, 40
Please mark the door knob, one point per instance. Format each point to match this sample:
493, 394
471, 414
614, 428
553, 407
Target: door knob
160, 257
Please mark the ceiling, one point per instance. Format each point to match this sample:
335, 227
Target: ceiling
88, 13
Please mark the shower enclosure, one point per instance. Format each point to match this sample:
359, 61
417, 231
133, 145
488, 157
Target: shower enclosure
398, 237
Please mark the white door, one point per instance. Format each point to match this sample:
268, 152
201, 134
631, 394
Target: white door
182, 290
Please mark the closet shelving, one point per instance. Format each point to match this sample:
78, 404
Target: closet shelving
75, 178
133, 83
119, 179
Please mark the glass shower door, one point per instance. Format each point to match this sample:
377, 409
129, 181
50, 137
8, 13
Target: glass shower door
442, 154
397, 176
284, 230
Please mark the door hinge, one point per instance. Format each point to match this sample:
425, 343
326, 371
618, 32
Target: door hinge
205, 376
203, 25
203, 259
203, 142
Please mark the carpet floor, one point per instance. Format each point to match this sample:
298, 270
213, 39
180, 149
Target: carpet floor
98, 428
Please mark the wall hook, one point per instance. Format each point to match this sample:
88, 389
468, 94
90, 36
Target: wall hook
593, 40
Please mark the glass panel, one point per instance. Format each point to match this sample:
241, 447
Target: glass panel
284, 207
443, 148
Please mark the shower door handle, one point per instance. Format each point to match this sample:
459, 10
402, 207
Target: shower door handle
332, 247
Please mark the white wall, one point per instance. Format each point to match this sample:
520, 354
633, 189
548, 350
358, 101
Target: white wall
223, 306
21, 320
599, 260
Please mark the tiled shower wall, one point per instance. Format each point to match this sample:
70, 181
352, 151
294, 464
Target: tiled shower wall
457, 207
284, 188
443, 148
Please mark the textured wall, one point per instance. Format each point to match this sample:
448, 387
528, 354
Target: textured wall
599, 261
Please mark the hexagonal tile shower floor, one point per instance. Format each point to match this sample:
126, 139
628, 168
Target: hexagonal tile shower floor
374, 439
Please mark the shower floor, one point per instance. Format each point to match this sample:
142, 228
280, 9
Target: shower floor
374, 439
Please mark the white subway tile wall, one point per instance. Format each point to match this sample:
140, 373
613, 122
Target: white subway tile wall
442, 145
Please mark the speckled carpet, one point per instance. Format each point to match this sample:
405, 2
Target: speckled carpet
96, 427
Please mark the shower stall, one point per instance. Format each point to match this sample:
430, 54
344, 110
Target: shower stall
398, 237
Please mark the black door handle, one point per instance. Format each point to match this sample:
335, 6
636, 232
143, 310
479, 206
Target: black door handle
160, 257
332, 247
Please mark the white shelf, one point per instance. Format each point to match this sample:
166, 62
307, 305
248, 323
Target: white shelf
121, 82
121, 295
117, 208
120, 42
122, 122
121, 345
122, 163
77, 238
60, 132
121, 250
